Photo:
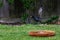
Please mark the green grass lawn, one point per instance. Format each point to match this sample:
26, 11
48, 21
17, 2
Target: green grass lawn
21, 32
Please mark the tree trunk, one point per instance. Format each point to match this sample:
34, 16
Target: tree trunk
4, 10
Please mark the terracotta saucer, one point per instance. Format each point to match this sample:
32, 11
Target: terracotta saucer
43, 33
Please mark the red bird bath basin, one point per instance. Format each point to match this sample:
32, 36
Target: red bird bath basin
42, 33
